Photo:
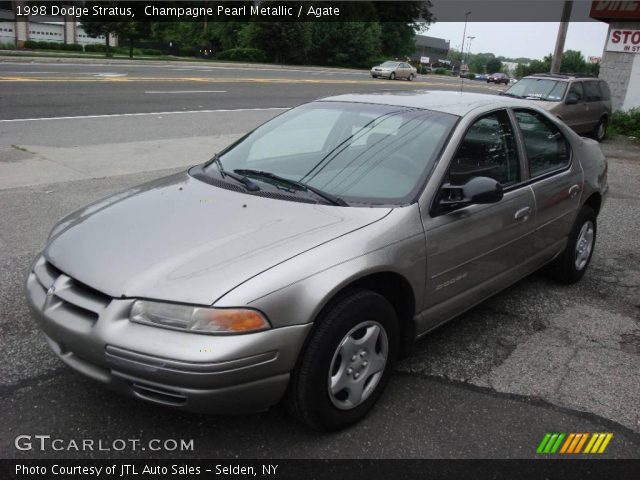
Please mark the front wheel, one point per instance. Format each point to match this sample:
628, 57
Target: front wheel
346, 363
392, 76
601, 130
572, 264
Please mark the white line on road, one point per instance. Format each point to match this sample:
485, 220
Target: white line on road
185, 91
143, 114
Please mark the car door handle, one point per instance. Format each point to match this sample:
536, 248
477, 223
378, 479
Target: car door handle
522, 215
573, 190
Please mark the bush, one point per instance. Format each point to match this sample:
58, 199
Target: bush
441, 71
471, 76
96, 47
71, 47
423, 69
150, 51
243, 54
186, 52
7, 46
30, 44
626, 123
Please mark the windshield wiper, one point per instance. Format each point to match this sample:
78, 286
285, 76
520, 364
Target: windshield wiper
249, 185
299, 185
507, 94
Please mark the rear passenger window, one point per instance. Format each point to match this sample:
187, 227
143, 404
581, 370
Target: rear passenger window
488, 150
547, 148
592, 92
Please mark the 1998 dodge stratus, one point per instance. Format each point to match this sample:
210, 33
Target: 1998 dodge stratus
301, 261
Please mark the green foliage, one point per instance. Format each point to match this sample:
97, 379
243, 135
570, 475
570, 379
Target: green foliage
150, 51
7, 46
493, 65
441, 71
243, 54
96, 47
626, 122
348, 44
471, 76
41, 45
282, 42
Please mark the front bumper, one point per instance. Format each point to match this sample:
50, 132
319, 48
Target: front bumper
91, 333
381, 74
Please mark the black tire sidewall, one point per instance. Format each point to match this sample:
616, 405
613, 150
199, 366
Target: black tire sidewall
333, 325
564, 268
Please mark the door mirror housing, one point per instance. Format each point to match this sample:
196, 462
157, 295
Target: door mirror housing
572, 99
478, 190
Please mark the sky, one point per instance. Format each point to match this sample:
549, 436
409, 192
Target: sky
522, 39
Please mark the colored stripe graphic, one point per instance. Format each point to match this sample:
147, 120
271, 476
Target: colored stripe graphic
573, 443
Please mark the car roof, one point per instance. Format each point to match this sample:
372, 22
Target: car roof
563, 76
455, 103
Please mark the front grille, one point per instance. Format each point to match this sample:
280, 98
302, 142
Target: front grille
67, 295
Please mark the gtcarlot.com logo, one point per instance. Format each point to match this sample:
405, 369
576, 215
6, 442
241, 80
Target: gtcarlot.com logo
573, 443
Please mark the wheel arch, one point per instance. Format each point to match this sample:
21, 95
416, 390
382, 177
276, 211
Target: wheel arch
397, 290
594, 201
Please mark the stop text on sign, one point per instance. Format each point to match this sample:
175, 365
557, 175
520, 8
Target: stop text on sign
623, 40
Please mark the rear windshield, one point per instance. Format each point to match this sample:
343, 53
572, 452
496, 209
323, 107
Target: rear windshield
539, 89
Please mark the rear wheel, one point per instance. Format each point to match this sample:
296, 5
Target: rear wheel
346, 363
572, 264
410, 77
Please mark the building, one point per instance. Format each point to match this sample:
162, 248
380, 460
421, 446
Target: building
434, 49
620, 64
14, 31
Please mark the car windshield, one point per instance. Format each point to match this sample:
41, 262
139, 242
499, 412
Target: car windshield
390, 64
538, 88
360, 153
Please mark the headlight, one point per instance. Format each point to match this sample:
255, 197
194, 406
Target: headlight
198, 319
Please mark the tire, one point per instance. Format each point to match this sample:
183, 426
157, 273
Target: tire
321, 364
600, 132
392, 76
572, 263
410, 77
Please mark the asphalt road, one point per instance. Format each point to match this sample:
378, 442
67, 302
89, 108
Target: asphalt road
68, 88
537, 358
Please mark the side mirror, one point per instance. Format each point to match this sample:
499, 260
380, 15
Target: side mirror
571, 99
478, 190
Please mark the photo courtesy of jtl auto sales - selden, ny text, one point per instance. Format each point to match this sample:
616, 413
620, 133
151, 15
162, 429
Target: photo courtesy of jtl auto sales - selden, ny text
319, 240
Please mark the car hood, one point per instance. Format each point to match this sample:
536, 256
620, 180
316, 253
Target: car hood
180, 239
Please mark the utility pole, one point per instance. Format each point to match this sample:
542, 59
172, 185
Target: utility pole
464, 34
556, 62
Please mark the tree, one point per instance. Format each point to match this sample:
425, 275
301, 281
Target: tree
493, 65
283, 42
355, 44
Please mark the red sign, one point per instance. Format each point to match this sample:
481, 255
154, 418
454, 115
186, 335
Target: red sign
615, 10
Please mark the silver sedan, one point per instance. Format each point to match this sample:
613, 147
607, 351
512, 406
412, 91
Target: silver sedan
393, 70
304, 259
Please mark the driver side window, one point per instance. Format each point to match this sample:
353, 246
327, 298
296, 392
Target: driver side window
487, 150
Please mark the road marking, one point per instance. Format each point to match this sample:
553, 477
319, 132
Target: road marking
184, 91
143, 114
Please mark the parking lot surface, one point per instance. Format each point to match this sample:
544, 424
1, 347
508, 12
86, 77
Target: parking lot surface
538, 357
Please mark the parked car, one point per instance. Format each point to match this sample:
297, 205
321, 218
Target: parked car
393, 70
480, 77
582, 102
301, 261
498, 78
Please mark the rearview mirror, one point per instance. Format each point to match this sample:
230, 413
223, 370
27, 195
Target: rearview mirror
478, 190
